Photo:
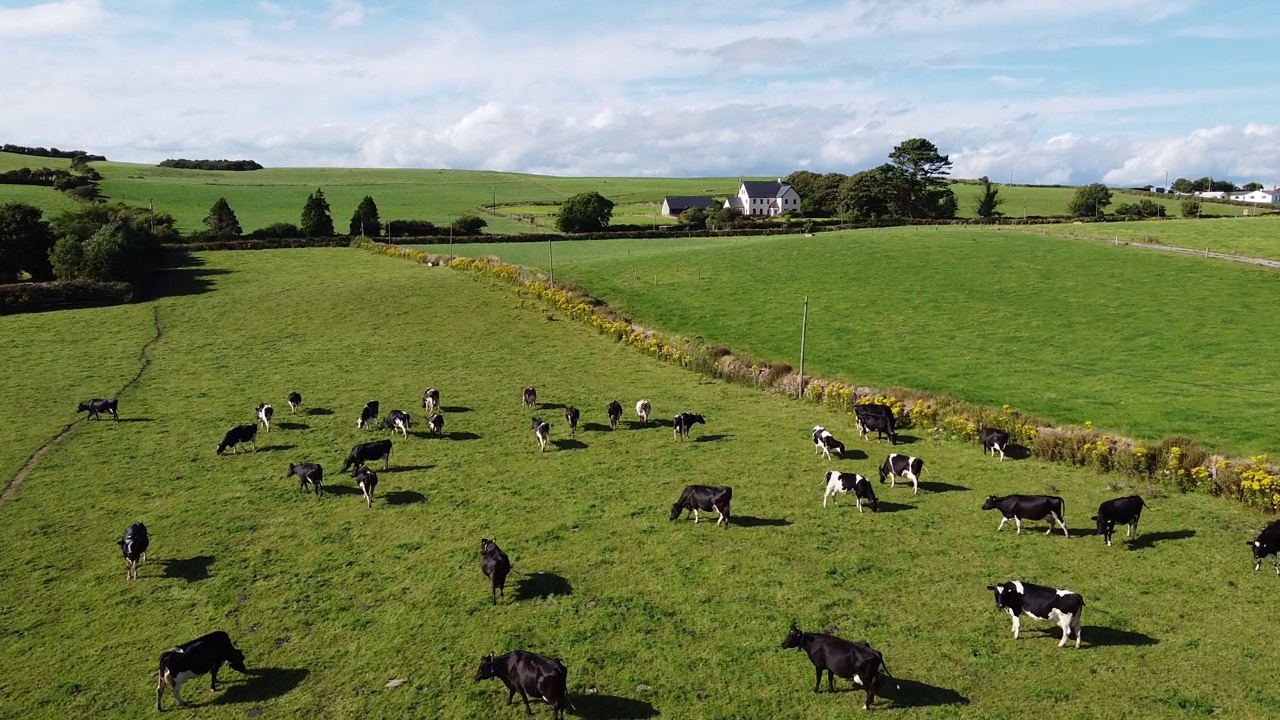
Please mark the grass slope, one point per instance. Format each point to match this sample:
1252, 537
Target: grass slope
1256, 237
330, 601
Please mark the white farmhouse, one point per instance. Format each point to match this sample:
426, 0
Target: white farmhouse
1258, 196
764, 198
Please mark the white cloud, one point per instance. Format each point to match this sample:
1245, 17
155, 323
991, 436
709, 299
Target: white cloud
54, 18
345, 13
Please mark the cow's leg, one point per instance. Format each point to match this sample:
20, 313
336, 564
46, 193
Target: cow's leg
831, 680
858, 500
719, 515
1275, 562
160, 684
817, 681
511, 693
386, 460
893, 479
1017, 624
1133, 529
695, 516
1018, 521
1061, 524
523, 696
1001, 453
915, 484
825, 494
213, 677
1064, 622
177, 691
1002, 522
1075, 625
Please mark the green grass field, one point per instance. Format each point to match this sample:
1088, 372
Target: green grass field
1021, 200
1255, 237
1138, 342
330, 601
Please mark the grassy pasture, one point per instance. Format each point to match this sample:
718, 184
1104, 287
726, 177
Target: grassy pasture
1256, 237
330, 600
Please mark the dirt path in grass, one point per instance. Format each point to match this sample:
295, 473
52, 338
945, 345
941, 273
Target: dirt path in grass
30, 464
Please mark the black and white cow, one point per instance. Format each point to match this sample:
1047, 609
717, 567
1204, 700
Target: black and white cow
134, 547
435, 424
855, 661
1029, 507
614, 411
369, 452
683, 422
368, 414
873, 417
902, 466
295, 401
496, 566
203, 655
367, 481
98, 405
265, 413
643, 408
397, 421
1268, 543
1122, 511
994, 440
430, 400
1041, 603
571, 415
307, 474
237, 436
542, 431
826, 443
530, 397
705, 498
840, 482
546, 679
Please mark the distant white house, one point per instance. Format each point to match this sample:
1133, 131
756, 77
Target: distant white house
1258, 196
1212, 194
673, 205
757, 197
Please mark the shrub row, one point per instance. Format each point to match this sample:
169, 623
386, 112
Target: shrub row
47, 152
61, 295
234, 165
263, 244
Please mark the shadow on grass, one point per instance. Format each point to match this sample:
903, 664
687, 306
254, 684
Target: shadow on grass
1017, 452
541, 585
462, 435
275, 448
750, 522
712, 438
261, 685
341, 490
454, 408
849, 454
550, 406
911, 693
293, 426
653, 422
186, 275
1143, 542
404, 497
134, 420
1098, 636
891, 507
940, 487
594, 427
569, 444
905, 440
408, 468
610, 707
190, 569
317, 411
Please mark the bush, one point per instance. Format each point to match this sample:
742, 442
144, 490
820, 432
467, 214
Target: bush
261, 243
275, 231
61, 295
410, 228
469, 225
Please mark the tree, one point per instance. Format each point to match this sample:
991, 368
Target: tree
870, 193
1250, 187
1222, 186
469, 225
721, 217
25, 242
222, 221
109, 242
694, 218
990, 199
316, 221
1089, 201
819, 194
1143, 208
365, 219
585, 212
1190, 208
921, 187
1183, 185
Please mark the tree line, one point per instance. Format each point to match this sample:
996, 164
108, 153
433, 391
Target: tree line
1208, 184
235, 165
316, 220
96, 241
49, 152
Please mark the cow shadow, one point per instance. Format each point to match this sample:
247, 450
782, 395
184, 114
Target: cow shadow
594, 427
905, 440
1098, 636
341, 490
454, 408
404, 497
191, 569
1017, 452
134, 420
751, 522
891, 507
542, 585
849, 454
940, 487
1144, 542
911, 693
276, 448
408, 468
610, 707
657, 422
551, 406
462, 435
712, 438
569, 444
317, 411
293, 426
261, 684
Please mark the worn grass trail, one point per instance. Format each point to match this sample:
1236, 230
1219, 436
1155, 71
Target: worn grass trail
330, 601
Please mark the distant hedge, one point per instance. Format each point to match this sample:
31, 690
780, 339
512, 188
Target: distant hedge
48, 152
261, 244
61, 295
237, 165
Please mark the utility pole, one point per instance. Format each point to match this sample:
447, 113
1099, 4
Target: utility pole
151, 210
451, 242
551, 263
804, 327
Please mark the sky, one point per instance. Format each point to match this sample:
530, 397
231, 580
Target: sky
1028, 91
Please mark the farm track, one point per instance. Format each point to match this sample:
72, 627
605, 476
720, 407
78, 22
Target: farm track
144, 355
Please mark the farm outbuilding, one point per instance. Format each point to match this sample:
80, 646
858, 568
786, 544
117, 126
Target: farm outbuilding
673, 205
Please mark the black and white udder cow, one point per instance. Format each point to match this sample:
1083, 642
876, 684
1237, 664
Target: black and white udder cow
368, 414
840, 482
1041, 603
530, 674
994, 440
367, 453
530, 397
307, 474
542, 431
397, 421
435, 424
237, 436
902, 466
826, 443
430, 400
614, 411
1029, 507
571, 415
877, 418
134, 547
98, 405
1121, 511
496, 566
367, 481
854, 661
203, 655
265, 413
705, 498
1268, 543
643, 408
295, 401
683, 422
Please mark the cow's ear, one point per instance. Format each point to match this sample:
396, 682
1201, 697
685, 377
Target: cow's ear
1094, 518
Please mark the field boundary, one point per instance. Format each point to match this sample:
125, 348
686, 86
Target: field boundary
144, 356
1182, 249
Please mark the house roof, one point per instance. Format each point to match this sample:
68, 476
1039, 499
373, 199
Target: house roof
765, 188
689, 201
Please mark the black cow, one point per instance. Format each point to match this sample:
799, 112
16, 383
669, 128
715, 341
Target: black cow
530, 397
852, 660
839, 482
994, 439
683, 422
528, 673
496, 566
705, 498
873, 417
202, 655
826, 443
237, 436
397, 420
265, 413
542, 431
98, 405
1041, 603
367, 481
430, 400
295, 401
1029, 507
1125, 511
308, 474
904, 466
643, 408
435, 424
614, 411
369, 452
368, 413
134, 547
1268, 543
571, 415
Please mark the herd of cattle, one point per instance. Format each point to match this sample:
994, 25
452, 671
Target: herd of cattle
546, 679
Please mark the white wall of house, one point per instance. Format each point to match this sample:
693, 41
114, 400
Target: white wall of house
1257, 196
770, 206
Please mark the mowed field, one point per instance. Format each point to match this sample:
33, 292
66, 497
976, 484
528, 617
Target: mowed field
1254, 237
1145, 343
330, 600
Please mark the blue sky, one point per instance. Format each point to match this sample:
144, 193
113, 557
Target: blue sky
1047, 90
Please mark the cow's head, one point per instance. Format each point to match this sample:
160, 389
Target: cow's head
1002, 591
84, 406
221, 446
487, 669
793, 638
990, 504
486, 544
676, 509
292, 467
236, 660
1259, 550
1106, 525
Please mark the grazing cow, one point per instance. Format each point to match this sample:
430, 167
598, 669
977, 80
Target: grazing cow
994, 440
368, 413
265, 413
308, 474
530, 397
435, 424
902, 466
369, 452
98, 405
614, 411
705, 498
839, 482
872, 417
571, 415
295, 401
1041, 603
1029, 507
202, 655
683, 422
430, 400
496, 566
367, 481
237, 436
1268, 543
853, 660
134, 546
528, 673
541, 430
397, 421
824, 442
642, 411
1125, 511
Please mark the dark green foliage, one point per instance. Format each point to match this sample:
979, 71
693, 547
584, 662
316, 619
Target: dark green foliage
25, 242
920, 184
316, 221
239, 165
1204, 184
1250, 187
1190, 208
721, 217
1090, 201
694, 218
411, 228
470, 224
819, 194
60, 295
48, 152
221, 220
585, 212
111, 243
1142, 208
870, 193
277, 230
1182, 185
989, 201
364, 220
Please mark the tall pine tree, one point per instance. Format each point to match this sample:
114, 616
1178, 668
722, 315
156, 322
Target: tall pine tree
365, 219
222, 221
316, 221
